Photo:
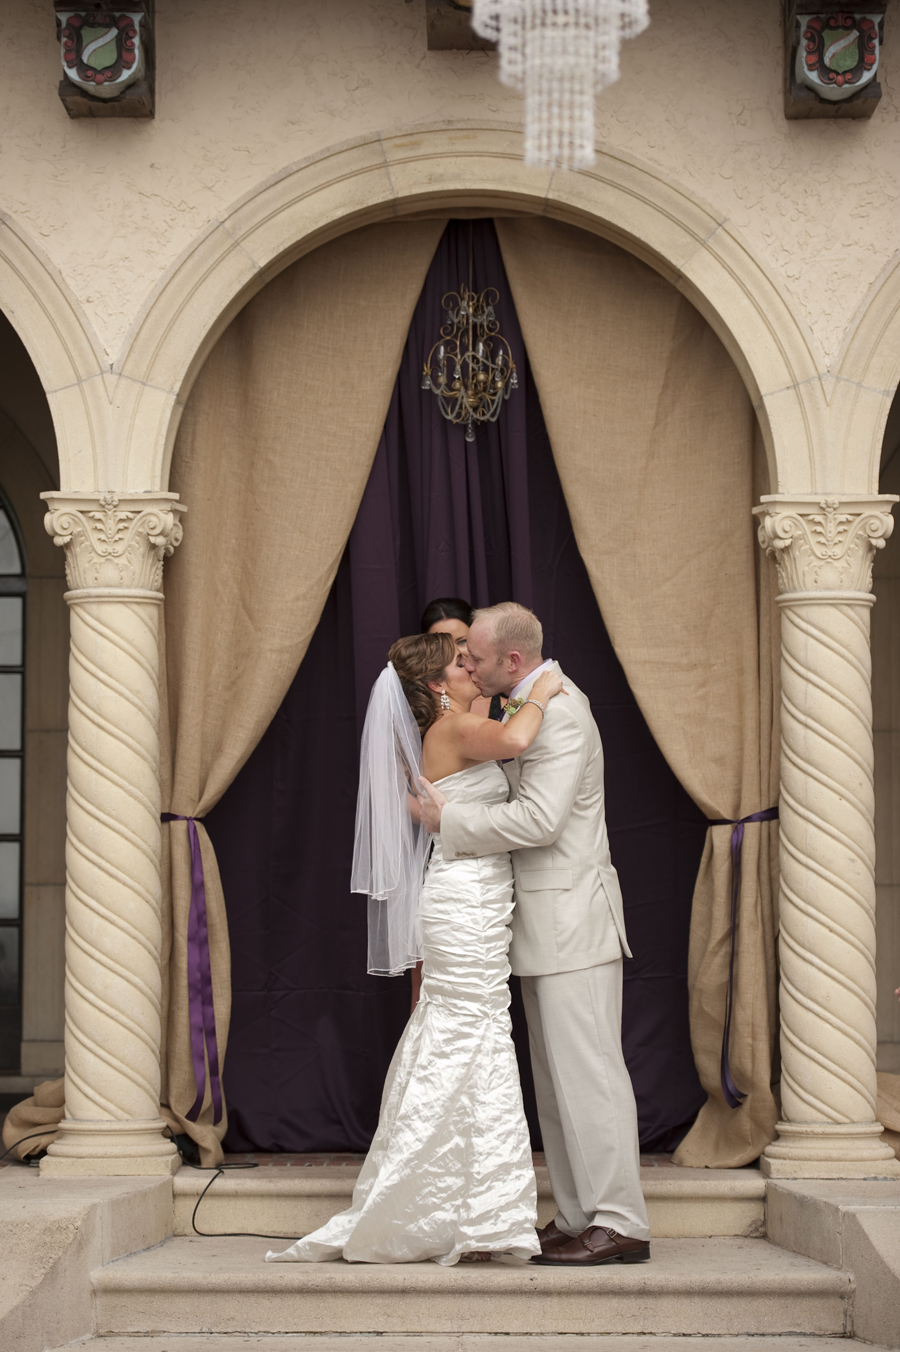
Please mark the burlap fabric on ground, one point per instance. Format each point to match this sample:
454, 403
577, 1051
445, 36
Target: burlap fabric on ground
653, 435
272, 457
45, 1108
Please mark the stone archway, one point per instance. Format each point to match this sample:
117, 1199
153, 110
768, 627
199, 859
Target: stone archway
825, 665
116, 427
393, 175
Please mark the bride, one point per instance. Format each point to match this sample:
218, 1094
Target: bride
449, 1173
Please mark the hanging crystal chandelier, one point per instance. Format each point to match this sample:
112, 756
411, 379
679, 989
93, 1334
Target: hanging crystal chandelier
561, 53
470, 368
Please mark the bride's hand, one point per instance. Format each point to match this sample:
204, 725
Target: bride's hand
548, 684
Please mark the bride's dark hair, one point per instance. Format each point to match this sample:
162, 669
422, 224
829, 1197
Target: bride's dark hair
418, 659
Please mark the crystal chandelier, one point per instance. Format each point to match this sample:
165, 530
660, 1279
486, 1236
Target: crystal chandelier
470, 368
562, 53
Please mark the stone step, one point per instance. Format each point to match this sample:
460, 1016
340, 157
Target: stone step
293, 1200
690, 1286
467, 1342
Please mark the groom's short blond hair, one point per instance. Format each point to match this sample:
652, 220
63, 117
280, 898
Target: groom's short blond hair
514, 628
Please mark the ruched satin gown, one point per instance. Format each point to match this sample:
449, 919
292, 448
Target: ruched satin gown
450, 1169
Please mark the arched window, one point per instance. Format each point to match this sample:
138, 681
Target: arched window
12, 657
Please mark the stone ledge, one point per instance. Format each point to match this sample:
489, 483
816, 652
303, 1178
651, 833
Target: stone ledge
852, 1225
468, 1342
55, 1233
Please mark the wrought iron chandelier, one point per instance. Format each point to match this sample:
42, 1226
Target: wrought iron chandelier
471, 367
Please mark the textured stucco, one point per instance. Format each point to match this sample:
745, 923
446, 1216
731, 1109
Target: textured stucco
244, 92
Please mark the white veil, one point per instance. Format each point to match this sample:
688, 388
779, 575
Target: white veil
389, 849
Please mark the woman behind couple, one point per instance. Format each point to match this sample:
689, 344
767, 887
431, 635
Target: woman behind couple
449, 1173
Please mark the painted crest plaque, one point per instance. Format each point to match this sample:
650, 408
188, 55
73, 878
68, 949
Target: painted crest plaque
101, 49
838, 53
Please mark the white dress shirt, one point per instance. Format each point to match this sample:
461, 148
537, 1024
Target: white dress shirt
530, 679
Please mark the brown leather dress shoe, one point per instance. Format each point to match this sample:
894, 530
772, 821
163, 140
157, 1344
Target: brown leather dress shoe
599, 1244
551, 1237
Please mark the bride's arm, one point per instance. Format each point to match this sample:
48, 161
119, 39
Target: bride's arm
482, 740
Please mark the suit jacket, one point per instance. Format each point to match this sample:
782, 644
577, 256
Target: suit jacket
569, 911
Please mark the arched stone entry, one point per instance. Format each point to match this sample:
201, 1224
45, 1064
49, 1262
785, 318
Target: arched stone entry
120, 428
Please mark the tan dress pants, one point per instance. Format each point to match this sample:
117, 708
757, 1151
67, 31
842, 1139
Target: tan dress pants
585, 1100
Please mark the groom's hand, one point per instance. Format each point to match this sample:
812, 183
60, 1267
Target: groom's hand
431, 800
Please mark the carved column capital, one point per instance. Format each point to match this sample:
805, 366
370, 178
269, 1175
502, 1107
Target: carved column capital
824, 544
115, 541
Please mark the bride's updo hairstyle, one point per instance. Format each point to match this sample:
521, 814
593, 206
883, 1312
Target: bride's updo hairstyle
417, 660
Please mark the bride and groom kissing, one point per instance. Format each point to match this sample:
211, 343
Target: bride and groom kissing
519, 878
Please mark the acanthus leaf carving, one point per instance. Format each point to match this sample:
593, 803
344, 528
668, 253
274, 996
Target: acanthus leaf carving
115, 540
824, 543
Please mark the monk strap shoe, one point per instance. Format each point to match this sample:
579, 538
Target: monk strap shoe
551, 1237
599, 1244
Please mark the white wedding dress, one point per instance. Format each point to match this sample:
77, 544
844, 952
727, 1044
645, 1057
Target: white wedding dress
449, 1170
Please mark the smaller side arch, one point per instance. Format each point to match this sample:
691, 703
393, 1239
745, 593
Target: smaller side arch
62, 345
867, 377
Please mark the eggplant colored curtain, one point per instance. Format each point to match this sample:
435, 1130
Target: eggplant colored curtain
655, 441
311, 1033
272, 456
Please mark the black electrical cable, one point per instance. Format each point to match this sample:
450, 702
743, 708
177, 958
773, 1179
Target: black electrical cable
225, 1234
29, 1163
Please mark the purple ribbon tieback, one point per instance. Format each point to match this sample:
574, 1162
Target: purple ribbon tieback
200, 993
733, 1096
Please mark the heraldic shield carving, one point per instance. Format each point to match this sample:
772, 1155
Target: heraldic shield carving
102, 49
838, 53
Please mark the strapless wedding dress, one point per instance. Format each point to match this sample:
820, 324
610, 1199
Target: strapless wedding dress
450, 1168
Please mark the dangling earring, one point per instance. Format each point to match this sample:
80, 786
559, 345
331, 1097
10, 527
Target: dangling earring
445, 701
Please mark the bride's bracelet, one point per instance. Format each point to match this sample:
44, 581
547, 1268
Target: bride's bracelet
537, 703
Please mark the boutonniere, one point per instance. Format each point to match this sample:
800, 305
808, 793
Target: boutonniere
514, 705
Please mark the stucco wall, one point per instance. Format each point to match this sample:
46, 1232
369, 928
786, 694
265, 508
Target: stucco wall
244, 93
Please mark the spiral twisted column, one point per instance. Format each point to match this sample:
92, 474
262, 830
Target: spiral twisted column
823, 549
115, 546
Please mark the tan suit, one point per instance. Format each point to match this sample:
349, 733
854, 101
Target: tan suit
568, 940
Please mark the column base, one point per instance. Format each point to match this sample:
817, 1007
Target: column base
829, 1150
111, 1149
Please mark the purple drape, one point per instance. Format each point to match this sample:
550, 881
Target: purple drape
311, 1033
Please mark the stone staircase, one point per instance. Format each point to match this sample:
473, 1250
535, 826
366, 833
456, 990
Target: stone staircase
714, 1274
694, 1286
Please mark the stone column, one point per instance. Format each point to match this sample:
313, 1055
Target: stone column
115, 545
823, 549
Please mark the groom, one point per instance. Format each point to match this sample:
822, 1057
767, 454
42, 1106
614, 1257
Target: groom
568, 938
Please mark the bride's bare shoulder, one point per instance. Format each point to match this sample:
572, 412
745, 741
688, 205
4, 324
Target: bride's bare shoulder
451, 725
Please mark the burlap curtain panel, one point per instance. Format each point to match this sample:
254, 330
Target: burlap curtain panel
653, 436
272, 457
